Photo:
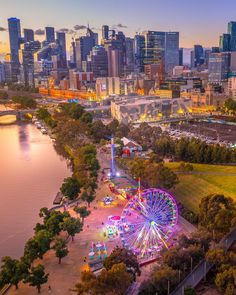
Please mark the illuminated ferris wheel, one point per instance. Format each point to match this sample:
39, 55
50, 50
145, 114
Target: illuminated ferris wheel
148, 221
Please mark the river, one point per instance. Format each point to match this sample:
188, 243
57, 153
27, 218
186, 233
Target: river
31, 173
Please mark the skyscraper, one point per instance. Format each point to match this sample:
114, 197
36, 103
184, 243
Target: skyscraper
28, 35
61, 40
115, 62
84, 46
232, 32
105, 32
225, 42
99, 61
15, 39
139, 45
197, 56
181, 56
50, 34
129, 44
154, 51
219, 67
116, 50
28, 63
171, 51
73, 54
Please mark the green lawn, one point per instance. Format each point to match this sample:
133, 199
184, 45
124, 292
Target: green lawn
214, 179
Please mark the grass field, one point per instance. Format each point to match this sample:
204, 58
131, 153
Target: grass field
204, 180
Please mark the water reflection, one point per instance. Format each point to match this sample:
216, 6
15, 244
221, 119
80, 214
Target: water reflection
30, 176
24, 138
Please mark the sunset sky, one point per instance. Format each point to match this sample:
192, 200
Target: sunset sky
199, 22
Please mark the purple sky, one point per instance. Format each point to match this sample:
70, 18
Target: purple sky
199, 22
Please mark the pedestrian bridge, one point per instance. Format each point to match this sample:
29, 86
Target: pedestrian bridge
17, 113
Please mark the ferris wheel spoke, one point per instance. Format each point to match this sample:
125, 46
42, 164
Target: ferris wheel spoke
150, 221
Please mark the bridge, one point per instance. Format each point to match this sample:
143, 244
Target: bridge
200, 271
17, 113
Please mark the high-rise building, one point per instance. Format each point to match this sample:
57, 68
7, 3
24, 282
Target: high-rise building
84, 46
2, 73
150, 49
197, 56
139, 45
15, 39
171, 51
219, 67
154, 50
232, 33
207, 56
73, 54
28, 35
28, 63
115, 62
99, 61
225, 41
129, 44
61, 40
105, 32
181, 56
116, 50
50, 34
215, 49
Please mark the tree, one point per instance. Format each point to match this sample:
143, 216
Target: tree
25, 102
82, 211
13, 271
87, 118
52, 223
4, 95
123, 255
72, 226
217, 213
189, 291
185, 167
37, 277
226, 281
42, 113
230, 106
216, 257
177, 259
73, 110
161, 176
88, 197
114, 281
99, 131
60, 248
37, 246
70, 188
159, 281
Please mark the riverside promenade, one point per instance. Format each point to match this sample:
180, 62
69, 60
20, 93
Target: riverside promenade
63, 277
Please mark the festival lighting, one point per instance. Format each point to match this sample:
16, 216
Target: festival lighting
147, 222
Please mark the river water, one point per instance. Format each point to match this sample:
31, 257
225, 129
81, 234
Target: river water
31, 173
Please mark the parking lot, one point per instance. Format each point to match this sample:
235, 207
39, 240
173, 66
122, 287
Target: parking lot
211, 133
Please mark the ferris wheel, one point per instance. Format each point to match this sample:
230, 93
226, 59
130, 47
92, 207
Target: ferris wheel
148, 221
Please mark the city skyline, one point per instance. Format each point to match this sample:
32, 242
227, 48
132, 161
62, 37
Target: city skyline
164, 17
